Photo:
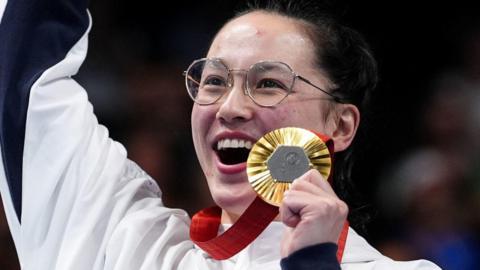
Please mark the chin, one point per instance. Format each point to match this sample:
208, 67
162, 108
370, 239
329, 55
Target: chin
234, 199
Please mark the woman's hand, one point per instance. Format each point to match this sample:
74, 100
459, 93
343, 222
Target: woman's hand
313, 213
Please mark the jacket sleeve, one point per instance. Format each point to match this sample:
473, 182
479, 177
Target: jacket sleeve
68, 189
26, 31
322, 256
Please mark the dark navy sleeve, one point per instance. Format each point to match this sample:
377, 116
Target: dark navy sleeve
321, 256
34, 35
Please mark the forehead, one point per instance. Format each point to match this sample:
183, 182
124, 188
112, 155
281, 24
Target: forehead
260, 36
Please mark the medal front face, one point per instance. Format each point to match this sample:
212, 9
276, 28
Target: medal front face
283, 155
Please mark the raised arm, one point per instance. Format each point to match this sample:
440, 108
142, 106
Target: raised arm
33, 40
72, 197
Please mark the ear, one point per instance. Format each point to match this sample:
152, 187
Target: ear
347, 119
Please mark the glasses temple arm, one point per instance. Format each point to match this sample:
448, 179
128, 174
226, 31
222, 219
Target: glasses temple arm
335, 98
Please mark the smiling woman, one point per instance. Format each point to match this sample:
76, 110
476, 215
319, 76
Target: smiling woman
241, 44
75, 201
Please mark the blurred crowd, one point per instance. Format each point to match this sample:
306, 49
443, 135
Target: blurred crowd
431, 196
427, 201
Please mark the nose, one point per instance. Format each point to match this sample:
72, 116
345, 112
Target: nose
236, 106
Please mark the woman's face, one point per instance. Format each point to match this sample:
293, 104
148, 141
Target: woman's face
236, 121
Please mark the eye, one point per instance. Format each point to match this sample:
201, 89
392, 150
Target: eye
215, 81
270, 83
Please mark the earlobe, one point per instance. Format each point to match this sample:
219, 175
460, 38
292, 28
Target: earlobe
347, 121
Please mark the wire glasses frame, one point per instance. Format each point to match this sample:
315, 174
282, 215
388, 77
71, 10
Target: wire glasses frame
267, 82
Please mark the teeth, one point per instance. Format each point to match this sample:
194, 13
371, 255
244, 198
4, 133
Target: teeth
234, 143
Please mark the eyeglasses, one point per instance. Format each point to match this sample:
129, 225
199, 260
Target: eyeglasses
267, 82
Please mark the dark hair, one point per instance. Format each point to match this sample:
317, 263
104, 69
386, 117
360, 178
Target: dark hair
347, 59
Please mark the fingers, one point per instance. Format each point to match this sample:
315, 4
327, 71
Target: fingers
289, 216
292, 206
299, 205
313, 213
310, 196
312, 181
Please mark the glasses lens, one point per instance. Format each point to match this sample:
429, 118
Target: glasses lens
270, 82
206, 80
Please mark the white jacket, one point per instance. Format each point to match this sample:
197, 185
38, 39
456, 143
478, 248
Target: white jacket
72, 198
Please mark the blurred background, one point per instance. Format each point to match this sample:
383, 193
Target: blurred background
420, 173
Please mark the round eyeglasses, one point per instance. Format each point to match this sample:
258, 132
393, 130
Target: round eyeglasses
267, 82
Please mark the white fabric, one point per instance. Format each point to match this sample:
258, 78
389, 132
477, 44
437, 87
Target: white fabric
3, 4
86, 206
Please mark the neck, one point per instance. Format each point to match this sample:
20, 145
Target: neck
231, 218
228, 217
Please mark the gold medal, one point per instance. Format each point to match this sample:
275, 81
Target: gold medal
283, 155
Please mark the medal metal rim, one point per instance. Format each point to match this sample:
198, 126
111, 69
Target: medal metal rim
270, 189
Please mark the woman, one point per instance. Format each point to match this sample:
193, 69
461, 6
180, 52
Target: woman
73, 199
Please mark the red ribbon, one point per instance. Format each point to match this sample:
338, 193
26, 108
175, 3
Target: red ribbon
205, 225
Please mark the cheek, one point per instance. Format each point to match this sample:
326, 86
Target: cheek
283, 116
203, 115
201, 120
203, 123
195, 116
308, 116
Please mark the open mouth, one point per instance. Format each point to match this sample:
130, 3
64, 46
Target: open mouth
233, 151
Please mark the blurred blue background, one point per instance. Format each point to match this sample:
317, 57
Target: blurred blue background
420, 173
